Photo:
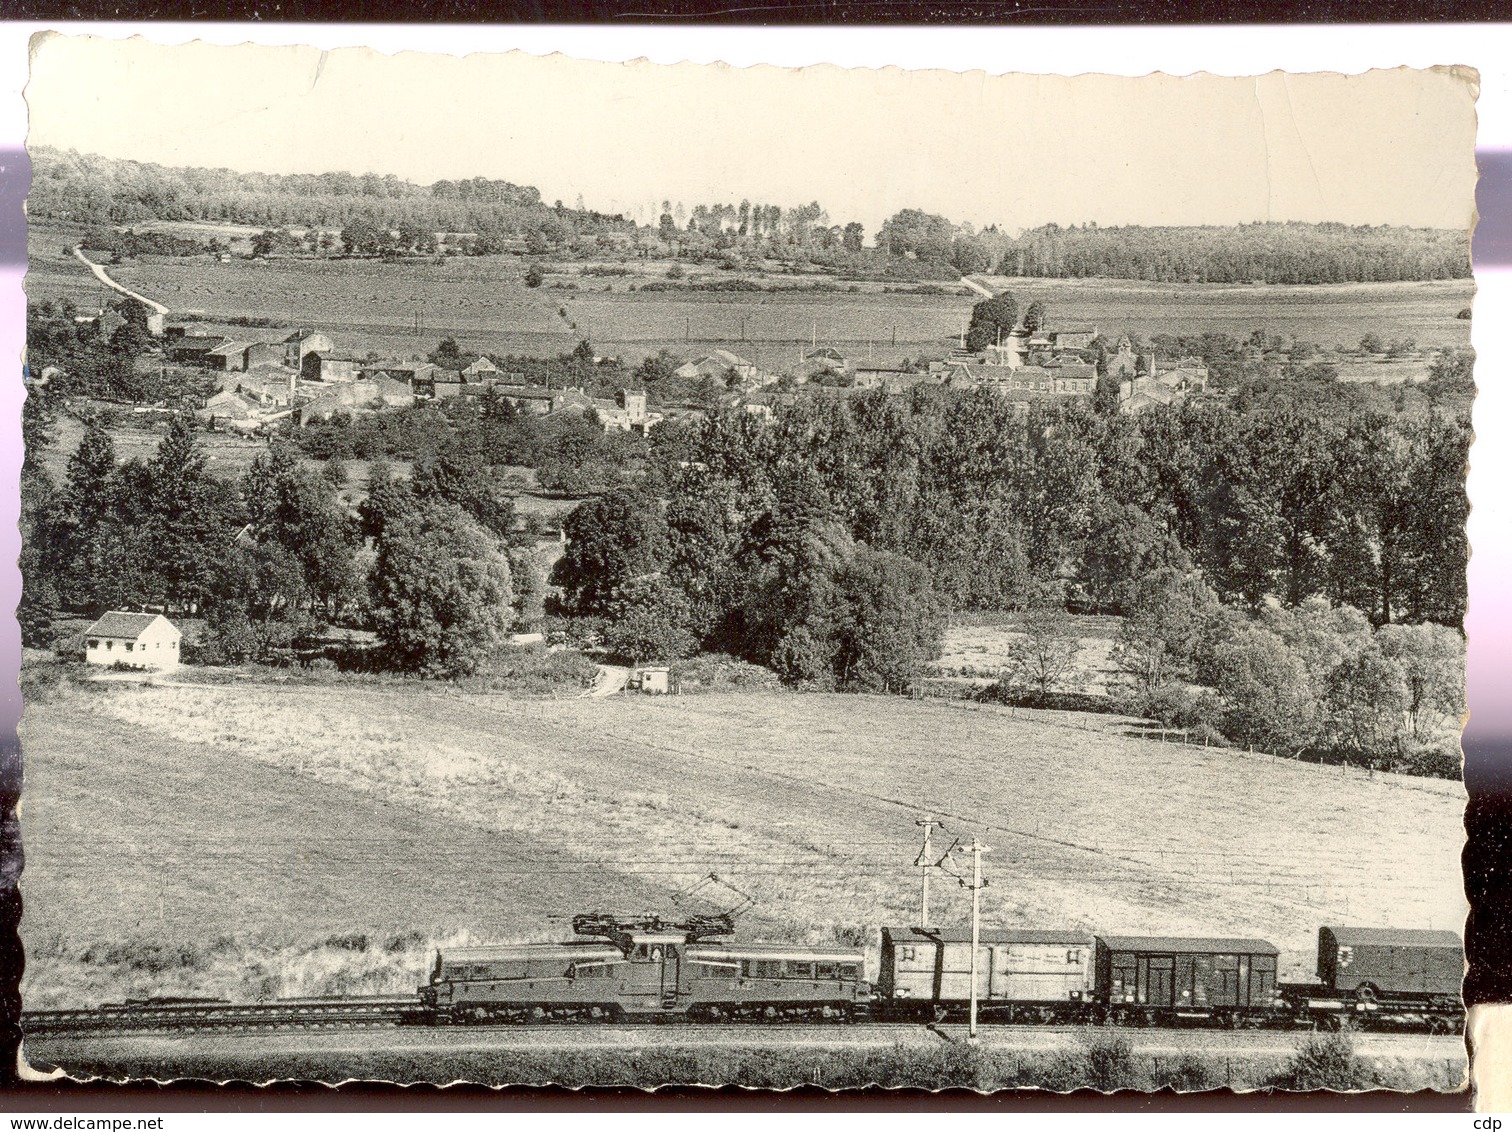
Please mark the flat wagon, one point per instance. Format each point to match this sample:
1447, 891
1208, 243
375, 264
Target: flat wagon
1384, 976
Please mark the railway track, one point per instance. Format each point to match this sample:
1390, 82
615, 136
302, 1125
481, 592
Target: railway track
283, 1014
386, 1012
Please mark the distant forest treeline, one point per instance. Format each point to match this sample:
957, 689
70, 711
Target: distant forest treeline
1270, 253
87, 189
68, 187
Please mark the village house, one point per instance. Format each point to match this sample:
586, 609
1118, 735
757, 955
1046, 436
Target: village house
826, 361
719, 364
331, 366
482, 371
1187, 374
1170, 387
228, 356
419, 376
540, 401
626, 412
191, 349
271, 386
1123, 363
472, 381
890, 380
224, 407
303, 342
1067, 379
266, 354
136, 640
1071, 338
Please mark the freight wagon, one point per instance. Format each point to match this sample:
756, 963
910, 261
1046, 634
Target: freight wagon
1022, 974
1154, 980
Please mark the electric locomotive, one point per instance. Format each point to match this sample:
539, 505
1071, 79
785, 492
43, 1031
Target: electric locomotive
645, 968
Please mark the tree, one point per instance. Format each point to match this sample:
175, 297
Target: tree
534, 275
1171, 624
293, 508
1034, 317
465, 482
657, 368
388, 499
274, 241
1269, 699
448, 355
571, 459
648, 620
611, 541
1366, 696
891, 623
991, 320
853, 236
187, 516
1045, 650
1123, 545
1451, 376
360, 236
805, 658
1432, 662
441, 591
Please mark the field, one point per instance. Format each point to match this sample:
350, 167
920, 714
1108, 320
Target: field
484, 304
291, 839
977, 648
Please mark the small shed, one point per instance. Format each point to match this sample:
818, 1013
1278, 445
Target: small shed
655, 680
137, 640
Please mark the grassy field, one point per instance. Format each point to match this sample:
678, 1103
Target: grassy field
484, 304
218, 839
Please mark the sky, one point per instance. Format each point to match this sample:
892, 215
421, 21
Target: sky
1017, 150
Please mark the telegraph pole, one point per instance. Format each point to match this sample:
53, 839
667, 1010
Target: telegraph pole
976, 849
925, 864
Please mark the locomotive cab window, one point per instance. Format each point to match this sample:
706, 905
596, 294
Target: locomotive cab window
795, 969
827, 971
907, 954
848, 971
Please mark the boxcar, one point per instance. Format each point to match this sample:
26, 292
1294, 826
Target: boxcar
1022, 974
1154, 979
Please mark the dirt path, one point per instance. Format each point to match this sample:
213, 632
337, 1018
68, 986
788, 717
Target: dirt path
610, 679
99, 273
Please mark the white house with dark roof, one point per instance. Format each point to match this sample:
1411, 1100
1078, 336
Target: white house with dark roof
137, 640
